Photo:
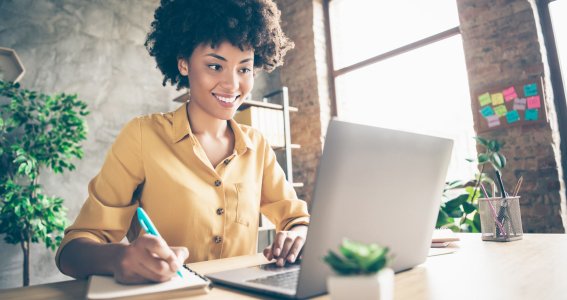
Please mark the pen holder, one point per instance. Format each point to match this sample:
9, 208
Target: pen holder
500, 219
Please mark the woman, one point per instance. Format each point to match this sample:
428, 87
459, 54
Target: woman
202, 178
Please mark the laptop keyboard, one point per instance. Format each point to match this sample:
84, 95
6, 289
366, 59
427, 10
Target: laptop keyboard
285, 280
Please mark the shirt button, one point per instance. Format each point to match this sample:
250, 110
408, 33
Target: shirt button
226, 161
220, 211
218, 239
217, 182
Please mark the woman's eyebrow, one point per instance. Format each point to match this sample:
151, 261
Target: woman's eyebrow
224, 59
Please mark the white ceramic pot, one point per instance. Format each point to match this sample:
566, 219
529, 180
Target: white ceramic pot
375, 286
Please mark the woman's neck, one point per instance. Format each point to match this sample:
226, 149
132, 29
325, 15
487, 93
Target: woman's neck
203, 124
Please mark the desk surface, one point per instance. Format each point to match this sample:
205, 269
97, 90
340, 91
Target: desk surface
532, 268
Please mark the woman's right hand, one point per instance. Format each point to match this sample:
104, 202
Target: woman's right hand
148, 259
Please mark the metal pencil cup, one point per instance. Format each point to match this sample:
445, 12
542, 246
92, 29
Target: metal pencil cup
500, 219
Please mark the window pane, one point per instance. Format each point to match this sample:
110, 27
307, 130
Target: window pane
558, 11
365, 28
424, 91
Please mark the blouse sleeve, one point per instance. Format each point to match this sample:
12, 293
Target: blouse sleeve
279, 202
107, 213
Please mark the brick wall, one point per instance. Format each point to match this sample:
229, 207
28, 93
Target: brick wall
305, 73
503, 46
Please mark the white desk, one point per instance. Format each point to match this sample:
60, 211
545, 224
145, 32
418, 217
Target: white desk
532, 268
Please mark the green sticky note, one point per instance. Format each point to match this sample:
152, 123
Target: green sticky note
531, 114
530, 89
497, 98
512, 116
484, 99
500, 110
487, 111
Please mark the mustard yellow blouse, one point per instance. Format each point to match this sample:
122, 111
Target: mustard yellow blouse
157, 163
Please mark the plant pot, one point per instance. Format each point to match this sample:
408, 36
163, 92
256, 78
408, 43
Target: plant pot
374, 286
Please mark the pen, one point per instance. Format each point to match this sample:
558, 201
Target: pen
149, 227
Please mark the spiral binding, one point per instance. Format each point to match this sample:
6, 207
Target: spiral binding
200, 276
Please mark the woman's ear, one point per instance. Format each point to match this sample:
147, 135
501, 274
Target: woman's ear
183, 66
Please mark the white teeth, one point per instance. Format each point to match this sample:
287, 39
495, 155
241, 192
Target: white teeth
227, 100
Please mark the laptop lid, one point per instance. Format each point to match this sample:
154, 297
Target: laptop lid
374, 185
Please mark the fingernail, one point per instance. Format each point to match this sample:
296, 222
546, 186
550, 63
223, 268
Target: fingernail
291, 258
280, 262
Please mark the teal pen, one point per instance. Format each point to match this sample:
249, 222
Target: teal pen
149, 227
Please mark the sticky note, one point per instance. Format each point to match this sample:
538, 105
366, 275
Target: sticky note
497, 98
534, 102
493, 121
530, 89
520, 104
532, 114
500, 110
484, 99
487, 111
512, 116
510, 94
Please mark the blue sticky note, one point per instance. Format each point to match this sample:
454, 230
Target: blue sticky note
530, 89
531, 114
487, 111
512, 116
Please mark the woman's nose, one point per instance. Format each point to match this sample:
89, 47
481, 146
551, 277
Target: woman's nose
230, 80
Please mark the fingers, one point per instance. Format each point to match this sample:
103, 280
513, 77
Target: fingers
155, 273
268, 252
286, 247
157, 246
278, 243
295, 250
182, 253
149, 258
288, 242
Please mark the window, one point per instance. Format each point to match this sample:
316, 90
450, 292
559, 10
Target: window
394, 69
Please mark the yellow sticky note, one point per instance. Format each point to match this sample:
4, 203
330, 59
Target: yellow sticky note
484, 99
500, 110
497, 98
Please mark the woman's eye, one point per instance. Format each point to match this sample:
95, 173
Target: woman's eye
215, 67
245, 70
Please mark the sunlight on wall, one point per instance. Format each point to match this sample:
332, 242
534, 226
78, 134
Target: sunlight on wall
558, 11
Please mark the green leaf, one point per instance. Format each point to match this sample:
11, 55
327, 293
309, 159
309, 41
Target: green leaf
468, 208
496, 161
502, 159
454, 204
481, 141
482, 158
493, 146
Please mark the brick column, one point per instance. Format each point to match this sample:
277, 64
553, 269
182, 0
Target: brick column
305, 73
504, 45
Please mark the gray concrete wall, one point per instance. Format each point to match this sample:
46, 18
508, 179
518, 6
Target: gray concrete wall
94, 49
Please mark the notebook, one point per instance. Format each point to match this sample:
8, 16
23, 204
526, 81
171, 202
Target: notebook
105, 287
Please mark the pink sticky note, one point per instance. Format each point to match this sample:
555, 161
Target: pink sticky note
510, 94
534, 102
493, 121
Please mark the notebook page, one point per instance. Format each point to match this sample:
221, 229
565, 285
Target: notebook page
104, 287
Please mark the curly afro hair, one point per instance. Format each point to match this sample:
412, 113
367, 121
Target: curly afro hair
180, 26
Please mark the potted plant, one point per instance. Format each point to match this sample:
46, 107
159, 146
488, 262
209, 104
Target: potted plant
362, 272
459, 209
38, 133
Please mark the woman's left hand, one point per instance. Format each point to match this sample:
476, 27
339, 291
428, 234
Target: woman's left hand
287, 245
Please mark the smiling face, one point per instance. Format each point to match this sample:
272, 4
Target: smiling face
220, 78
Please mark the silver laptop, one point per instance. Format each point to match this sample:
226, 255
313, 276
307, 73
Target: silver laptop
374, 185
